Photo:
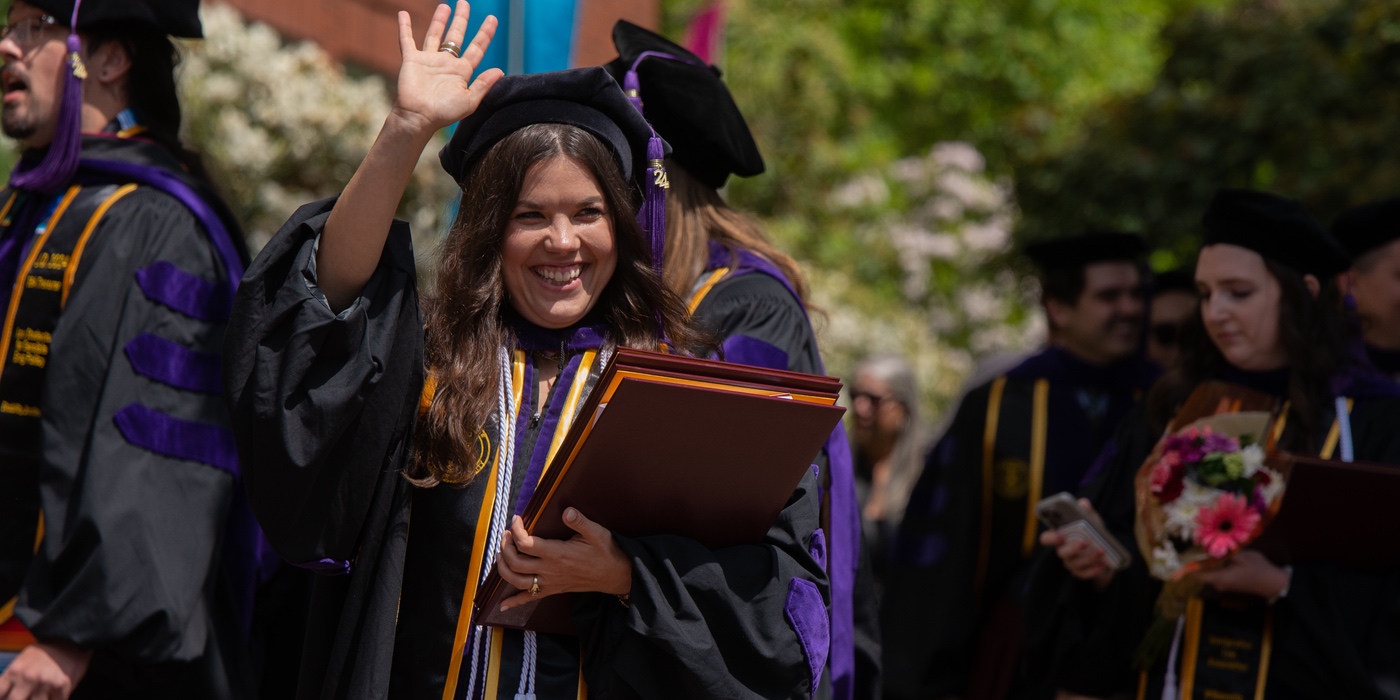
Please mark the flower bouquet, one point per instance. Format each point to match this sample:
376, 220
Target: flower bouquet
1204, 494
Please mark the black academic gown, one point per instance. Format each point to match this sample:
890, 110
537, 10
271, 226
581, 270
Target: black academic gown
1387, 361
759, 319
954, 596
1335, 635
324, 411
115, 428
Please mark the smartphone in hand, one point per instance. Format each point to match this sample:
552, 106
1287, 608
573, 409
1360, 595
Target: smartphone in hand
1061, 513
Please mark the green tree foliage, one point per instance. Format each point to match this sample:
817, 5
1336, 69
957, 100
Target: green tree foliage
1299, 98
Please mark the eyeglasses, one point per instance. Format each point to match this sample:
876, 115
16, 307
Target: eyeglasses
874, 399
28, 33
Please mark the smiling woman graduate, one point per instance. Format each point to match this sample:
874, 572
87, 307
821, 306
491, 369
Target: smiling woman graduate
390, 445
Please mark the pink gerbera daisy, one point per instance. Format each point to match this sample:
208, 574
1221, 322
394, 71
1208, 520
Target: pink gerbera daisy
1225, 525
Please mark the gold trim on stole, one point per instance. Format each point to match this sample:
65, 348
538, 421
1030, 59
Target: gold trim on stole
77, 253
483, 528
1040, 425
989, 445
705, 288
8, 330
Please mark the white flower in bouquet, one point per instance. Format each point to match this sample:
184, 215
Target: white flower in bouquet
1165, 558
1181, 513
1253, 460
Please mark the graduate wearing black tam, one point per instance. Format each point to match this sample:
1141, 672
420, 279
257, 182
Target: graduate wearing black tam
1268, 321
1370, 233
752, 296
389, 441
1275, 227
956, 602
129, 558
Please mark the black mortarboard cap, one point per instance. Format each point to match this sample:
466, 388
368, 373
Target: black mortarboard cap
1275, 227
172, 17
587, 98
1085, 249
1367, 227
688, 104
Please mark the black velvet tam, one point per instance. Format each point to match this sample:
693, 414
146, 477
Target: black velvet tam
688, 104
587, 98
173, 17
1085, 249
1363, 229
1275, 227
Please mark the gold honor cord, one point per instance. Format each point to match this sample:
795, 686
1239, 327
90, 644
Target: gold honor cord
483, 528
1040, 426
989, 446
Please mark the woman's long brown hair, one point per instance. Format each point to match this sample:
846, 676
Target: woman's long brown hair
696, 214
465, 318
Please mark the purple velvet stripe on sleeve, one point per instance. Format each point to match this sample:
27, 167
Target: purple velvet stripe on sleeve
173, 364
188, 294
748, 350
329, 567
173, 437
817, 546
844, 553
806, 613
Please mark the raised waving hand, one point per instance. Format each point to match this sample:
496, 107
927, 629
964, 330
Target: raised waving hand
435, 89
435, 84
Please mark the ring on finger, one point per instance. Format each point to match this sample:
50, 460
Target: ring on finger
452, 48
535, 587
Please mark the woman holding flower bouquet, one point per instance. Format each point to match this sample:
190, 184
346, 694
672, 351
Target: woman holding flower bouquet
1270, 320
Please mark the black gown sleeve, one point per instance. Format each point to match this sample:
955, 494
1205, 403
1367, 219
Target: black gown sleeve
930, 611
754, 315
739, 622
1337, 633
1077, 638
322, 403
130, 559
760, 322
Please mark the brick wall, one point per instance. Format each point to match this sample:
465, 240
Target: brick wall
363, 31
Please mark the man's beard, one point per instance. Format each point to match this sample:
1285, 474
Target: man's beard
15, 126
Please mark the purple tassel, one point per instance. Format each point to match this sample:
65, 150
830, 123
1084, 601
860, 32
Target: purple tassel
632, 86
652, 215
60, 164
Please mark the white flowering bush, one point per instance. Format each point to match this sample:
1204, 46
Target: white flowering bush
282, 124
945, 227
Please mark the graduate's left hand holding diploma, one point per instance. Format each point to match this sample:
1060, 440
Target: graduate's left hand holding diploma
589, 562
435, 89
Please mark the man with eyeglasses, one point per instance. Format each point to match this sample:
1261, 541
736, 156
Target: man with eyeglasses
1371, 234
128, 557
952, 615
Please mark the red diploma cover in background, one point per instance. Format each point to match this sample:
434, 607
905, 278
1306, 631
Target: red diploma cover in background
1342, 513
676, 446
